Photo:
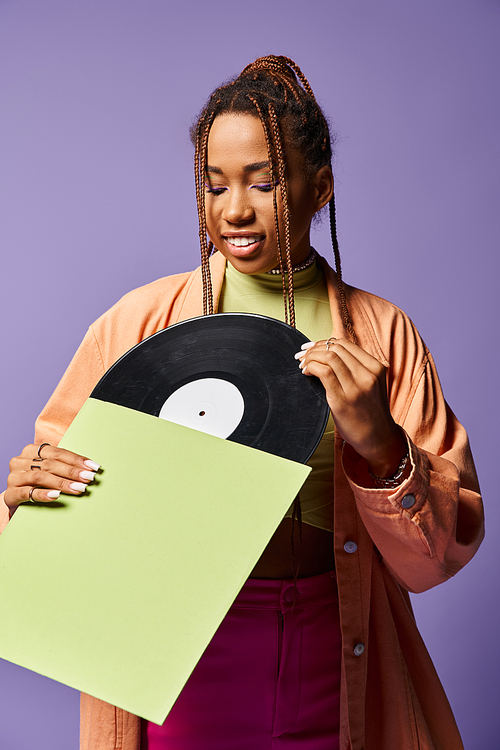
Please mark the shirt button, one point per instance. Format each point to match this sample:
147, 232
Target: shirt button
350, 547
408, 502
359, 649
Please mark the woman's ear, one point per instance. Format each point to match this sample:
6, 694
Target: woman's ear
323, 183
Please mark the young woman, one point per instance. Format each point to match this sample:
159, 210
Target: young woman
320, 649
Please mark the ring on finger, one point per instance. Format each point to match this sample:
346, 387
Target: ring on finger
30, 496
329, 342
39, 456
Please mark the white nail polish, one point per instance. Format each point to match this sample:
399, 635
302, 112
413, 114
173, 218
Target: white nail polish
299, 355
53, 494
78, 486
308, 345
92, 465
87, 475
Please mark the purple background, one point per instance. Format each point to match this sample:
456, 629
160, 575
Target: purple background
97, 197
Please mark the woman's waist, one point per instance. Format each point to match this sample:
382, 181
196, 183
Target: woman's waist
296, 552
284, 594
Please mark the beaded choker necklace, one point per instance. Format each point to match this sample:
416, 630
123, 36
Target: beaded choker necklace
305, 264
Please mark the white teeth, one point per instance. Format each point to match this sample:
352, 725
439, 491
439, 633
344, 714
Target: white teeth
242, 241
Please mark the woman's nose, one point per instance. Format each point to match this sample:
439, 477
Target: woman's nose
238, 208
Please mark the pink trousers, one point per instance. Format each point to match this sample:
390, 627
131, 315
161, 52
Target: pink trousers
269, 679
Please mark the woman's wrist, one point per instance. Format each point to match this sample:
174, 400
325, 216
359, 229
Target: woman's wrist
399, 476
388, 464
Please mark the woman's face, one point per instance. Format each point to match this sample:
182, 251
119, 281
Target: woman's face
239, 196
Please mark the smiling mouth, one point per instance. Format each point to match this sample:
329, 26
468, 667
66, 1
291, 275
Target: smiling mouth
244, 241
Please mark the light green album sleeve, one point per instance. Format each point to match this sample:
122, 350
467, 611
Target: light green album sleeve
118, 592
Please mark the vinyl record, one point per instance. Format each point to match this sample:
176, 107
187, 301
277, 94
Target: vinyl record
232, 375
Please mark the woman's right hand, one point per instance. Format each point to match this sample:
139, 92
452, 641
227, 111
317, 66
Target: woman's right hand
42, 472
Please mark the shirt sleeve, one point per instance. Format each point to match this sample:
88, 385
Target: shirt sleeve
430, 526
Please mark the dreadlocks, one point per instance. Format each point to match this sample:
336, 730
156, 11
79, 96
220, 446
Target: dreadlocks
274, 89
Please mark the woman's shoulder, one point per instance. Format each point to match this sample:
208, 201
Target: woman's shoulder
157, 299
144, 311
164, 301
381, 326
376, 308
154, 294
366, 303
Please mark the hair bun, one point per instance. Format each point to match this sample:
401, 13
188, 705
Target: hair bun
273, 64
280, 66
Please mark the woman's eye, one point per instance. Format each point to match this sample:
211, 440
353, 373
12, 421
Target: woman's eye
265, 187
214, 191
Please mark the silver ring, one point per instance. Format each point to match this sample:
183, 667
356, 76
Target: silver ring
332, 338
30, 496
39, 455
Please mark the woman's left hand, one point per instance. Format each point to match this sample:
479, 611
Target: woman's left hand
356, 391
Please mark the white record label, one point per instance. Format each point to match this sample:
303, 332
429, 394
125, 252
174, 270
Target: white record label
210, 405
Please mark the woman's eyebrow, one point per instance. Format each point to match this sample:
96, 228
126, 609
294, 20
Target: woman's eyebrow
256, 166
248, 168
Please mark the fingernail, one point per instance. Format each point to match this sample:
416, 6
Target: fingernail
308, 345
53, 494
87, 475
92, 465
78, 486
299, 355
302, 364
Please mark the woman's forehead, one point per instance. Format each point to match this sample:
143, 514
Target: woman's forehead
236, 139
237, 143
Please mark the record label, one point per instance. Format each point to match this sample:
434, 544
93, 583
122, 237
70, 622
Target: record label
210, 405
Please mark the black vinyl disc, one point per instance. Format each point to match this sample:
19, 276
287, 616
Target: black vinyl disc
230, 374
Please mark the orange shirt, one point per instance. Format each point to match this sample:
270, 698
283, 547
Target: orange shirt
386, 542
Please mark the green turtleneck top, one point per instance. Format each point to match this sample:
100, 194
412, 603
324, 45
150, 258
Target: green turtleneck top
263, 294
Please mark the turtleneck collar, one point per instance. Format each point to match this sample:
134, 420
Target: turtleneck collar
304, 279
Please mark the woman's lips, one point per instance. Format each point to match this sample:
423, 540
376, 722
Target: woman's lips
242, 245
